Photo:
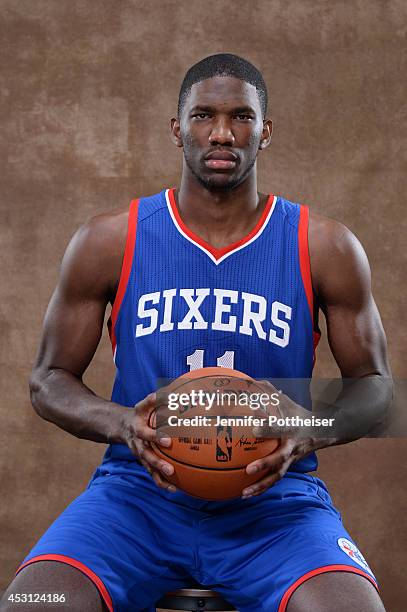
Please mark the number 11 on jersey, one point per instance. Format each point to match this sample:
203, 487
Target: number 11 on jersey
195, 361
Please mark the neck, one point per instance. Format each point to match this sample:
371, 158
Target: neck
219, 217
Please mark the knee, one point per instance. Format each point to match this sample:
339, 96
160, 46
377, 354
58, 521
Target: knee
51, 585
336, 592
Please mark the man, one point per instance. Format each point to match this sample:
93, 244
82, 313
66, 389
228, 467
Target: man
213, 273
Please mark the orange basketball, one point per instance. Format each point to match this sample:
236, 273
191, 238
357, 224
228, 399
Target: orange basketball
210, 414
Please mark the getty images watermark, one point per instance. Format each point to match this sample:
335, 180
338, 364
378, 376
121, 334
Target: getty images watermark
335, 408
223, 400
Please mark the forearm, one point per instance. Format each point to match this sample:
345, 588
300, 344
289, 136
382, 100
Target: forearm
360, 408
61, 398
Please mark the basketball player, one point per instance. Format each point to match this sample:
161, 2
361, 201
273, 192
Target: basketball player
212, 273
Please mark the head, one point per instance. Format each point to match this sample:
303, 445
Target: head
221, 121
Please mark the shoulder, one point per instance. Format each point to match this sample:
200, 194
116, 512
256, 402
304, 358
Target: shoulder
104, 234
94, 256
336, 255
101, 240
328, 234
330, 237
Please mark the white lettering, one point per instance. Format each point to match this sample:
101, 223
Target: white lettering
253, 317
193, 305
256, 311
276, 308
144, 313
222, 308
167, 324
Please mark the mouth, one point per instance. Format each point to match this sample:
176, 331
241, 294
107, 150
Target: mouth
221, 160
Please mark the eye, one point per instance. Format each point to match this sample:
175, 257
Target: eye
200, 116
243, 117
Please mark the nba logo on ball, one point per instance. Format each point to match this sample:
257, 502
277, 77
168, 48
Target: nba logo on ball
223, 443
353, 552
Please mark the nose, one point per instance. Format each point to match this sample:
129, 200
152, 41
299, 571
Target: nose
221, 132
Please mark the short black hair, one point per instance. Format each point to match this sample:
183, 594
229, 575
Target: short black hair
223, 64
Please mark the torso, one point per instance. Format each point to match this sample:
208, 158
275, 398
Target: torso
253, 311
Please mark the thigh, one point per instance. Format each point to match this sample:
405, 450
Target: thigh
270, 545
336, 592
125, 537
52, 586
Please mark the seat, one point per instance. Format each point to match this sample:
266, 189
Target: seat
194, 598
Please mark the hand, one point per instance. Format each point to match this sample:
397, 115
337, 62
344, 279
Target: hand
296, 443
138, 437
278, 462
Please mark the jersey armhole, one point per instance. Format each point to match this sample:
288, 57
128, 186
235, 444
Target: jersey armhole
305, 268
125, 271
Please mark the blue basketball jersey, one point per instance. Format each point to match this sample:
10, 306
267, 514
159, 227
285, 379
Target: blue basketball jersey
181, 304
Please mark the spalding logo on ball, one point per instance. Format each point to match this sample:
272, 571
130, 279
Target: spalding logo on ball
212, 439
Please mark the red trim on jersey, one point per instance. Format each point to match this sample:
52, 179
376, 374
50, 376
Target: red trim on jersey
80, 566
305, 268
317, 337
322, 570
125, 271
305, 265
218, 253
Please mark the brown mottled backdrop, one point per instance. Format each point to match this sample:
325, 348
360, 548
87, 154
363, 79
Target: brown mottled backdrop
87, 89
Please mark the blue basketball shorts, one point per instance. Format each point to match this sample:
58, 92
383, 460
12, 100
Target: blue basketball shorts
137, 542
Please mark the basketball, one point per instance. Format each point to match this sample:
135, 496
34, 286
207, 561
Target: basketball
212, 431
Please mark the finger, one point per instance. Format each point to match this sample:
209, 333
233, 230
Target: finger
136, 421
147, 433
274, 460
265, 483
146, 466
143, 430
268, 384
162, 483
136, 443
148, 456
132, 444
272, 409
148, 402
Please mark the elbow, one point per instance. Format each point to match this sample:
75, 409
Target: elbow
36, 387
384, 394
387, 391
389, 398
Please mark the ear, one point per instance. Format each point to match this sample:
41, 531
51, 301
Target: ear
266, 134
176, 132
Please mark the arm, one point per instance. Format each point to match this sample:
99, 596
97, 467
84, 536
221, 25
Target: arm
342, 284
73, 325
72, 330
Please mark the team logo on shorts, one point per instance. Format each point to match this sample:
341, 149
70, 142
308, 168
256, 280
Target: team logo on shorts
353, 552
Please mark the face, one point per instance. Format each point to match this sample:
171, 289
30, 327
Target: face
221, 130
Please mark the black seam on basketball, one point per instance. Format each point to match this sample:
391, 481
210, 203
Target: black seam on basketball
203, 467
